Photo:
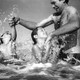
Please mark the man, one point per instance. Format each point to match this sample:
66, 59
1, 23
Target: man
66, 23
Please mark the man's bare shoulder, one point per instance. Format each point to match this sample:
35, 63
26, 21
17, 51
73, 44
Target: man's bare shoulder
71, 10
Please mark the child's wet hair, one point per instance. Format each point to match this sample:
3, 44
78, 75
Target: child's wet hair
7, 32
1, 41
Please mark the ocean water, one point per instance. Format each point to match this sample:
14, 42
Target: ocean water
38, 72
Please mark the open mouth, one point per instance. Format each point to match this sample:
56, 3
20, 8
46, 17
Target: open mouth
56, 8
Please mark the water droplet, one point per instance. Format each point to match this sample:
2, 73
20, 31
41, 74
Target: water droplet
0, 23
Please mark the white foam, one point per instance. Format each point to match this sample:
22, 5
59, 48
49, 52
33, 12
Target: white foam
33, 66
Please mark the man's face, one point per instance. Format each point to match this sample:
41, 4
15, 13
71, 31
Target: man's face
57, 4
42, 33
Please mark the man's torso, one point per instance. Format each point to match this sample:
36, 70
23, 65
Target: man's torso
73, 38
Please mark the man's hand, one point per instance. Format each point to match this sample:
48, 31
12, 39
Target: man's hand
14, 21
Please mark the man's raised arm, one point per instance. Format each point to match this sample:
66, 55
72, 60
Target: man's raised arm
46, 22
28, 24
32, 25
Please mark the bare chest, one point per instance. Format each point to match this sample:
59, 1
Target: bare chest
61, 20
6, 49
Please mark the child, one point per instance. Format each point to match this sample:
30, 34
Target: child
7, 41
39, 49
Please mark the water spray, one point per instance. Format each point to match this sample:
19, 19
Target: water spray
13, 13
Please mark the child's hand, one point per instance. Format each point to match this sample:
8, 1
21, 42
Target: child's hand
48, 39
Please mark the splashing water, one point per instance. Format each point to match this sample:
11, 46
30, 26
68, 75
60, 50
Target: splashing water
13, 12
0, 22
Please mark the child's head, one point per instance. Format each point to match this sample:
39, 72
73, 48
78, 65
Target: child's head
6, 37
38, 33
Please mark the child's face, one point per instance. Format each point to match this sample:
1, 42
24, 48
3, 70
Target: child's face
6, 37
41, 33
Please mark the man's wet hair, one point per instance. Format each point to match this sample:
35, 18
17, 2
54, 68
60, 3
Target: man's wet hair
67, 1
34, 32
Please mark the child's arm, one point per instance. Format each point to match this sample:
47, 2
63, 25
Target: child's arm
36, 53
14, 33
47, 52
